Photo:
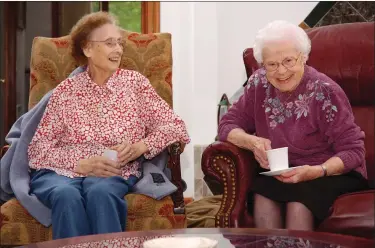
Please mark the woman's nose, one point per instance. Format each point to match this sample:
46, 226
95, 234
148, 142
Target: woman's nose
281, 69
119, 45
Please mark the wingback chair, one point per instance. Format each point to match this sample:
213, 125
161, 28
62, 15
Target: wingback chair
51, 63
345, 53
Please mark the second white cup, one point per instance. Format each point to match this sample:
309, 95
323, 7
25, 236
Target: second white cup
278, 159
111, 154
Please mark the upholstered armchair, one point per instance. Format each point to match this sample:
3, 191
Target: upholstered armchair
149, 54
346, 54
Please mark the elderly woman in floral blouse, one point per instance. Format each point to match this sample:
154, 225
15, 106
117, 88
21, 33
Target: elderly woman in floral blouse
289, 104
102, 108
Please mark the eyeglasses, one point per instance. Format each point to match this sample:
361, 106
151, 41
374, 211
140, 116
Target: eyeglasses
111, 43
287, 63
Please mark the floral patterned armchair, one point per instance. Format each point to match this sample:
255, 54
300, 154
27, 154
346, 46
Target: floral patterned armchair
149, 54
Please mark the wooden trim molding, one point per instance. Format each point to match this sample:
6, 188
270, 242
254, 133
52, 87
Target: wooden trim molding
303, 25
150, 17
21, 16
56, 20
10, 50
104, 6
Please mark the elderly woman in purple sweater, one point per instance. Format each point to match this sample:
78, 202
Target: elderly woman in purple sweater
287, 103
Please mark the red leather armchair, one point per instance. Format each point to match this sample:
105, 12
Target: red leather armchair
345, 53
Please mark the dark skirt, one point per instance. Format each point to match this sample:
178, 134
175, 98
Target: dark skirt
317, 195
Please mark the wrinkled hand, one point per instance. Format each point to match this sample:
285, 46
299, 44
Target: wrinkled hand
301, 174
124, 152
260, 146
129, 152
98, 166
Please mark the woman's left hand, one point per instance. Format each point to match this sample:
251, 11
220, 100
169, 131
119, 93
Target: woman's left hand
301, 174
129, 152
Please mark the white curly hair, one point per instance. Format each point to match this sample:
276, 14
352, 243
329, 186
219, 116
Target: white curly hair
280, 30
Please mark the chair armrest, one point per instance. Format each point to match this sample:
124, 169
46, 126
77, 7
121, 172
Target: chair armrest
352, 214
3, 150
174, 165
233, 168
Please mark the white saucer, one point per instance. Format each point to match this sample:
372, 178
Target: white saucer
278, 172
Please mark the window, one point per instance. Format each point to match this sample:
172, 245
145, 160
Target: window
142, 17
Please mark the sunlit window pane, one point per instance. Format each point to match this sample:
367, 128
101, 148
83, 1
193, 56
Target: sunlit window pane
128, 14
95, 6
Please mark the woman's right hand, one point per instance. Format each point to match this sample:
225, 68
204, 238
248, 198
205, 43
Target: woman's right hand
259, 146
98, 166
256, 144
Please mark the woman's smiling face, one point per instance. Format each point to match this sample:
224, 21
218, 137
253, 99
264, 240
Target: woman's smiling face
105, 48
284, 65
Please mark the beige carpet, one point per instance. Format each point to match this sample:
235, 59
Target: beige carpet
201, 213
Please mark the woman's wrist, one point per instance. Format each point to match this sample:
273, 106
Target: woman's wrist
324, 168
80, 168
251, 141
142, 147
242, 139
237, 137
317, 171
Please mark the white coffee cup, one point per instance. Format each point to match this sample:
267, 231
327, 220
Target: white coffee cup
278, 159
111, 154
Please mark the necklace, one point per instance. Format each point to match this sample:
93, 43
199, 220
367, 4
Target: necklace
280, 102
290, 94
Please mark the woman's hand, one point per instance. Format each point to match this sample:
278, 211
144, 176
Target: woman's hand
301, 174
128, 152
98, 166
259, 147
124, 152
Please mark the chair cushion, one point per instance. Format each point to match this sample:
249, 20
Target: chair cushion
145, 213
18, 227
352, 214
149, 54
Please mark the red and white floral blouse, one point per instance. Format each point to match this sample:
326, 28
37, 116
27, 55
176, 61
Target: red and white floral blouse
82, 119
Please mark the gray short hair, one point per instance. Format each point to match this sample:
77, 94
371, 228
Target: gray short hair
281, 30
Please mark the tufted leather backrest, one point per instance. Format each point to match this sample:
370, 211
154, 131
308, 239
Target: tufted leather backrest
345, 53
149, 54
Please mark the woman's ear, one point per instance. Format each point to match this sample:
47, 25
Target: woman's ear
304, 59
87, 50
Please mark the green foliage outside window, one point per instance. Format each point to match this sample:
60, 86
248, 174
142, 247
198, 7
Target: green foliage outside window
95, 6
128, 14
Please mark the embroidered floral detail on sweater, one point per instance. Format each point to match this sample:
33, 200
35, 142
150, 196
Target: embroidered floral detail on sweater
278, 111
257, 78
